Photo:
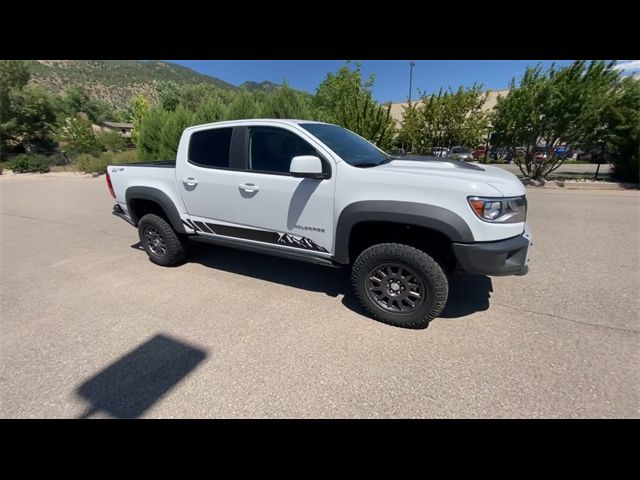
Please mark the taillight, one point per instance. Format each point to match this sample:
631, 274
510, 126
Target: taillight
113, 194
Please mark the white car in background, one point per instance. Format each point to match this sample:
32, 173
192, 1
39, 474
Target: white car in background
440, 152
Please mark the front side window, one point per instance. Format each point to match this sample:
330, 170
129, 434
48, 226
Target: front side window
210, 148
352, 149
271, 149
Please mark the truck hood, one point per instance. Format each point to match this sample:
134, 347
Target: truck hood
506, 183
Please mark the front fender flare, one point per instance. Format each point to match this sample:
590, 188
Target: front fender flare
433, 217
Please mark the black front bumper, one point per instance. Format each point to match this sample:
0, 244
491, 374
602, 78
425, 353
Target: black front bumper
506, 257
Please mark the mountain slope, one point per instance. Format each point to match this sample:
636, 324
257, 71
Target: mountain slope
118, 81
265, 86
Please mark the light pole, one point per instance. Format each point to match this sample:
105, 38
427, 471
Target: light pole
411, 65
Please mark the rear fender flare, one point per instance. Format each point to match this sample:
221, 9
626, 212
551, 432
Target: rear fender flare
159, 197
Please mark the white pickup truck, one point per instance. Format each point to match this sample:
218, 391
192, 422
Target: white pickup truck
319, 193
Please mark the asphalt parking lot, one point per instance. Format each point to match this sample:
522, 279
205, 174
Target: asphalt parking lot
91, 328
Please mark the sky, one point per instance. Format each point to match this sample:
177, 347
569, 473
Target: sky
392, 76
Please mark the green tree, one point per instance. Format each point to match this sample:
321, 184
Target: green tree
211, 110
192, 97
170, 134
244, 105
168, 95
26, 111
150, 133
76, 137
622, 119
445, 119
77, 100
32, 116
112, 141
345, 99
140, 107
124, 115
286, 102
14, 74
554, 107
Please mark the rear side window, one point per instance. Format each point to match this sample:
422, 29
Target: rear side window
210, 148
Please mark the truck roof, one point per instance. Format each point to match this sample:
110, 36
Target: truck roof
286, 121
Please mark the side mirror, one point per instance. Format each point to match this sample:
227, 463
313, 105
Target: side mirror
307, 166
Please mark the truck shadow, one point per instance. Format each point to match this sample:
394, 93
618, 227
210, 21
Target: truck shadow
135, 382
467, 293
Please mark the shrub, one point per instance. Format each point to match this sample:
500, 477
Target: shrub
39, 163
112, 141
128, 156
19, 164
58, 159
90, 164
627, 168
29, 164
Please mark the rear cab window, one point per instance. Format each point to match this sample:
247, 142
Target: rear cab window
210, 148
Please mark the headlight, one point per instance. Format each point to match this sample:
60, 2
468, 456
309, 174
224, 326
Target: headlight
500, 210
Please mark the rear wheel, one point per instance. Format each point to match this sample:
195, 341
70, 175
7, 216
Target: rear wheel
400, 285
162, 244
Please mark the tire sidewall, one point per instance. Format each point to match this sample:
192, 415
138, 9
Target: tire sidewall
418, 261
174, 248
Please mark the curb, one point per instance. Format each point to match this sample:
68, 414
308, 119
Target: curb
569, 185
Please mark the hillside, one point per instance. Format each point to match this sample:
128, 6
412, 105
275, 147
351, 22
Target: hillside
265, 86
118, 81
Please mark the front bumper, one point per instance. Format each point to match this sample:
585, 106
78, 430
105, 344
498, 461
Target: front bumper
505, 257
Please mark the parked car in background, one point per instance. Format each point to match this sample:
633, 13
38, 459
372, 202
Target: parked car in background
440, 152
540, 154
461, 153
479, 153
563, 151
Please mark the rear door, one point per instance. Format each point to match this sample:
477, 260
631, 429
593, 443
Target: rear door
206, 180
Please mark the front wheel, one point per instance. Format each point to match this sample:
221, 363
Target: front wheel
162, 244
400, 285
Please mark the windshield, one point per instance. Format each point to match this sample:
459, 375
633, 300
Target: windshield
352, 149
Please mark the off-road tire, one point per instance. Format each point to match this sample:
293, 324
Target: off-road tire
170, 249
432, 280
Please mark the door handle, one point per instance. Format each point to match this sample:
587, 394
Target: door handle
248, 187
190, 181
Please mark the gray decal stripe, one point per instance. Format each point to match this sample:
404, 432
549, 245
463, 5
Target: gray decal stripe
202, 226
188, 224
192, 226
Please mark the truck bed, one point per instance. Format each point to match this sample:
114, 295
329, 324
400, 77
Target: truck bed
153, 163
158, 174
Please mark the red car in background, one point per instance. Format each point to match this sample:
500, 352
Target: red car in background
479, 152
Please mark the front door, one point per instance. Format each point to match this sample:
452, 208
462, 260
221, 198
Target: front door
284, 210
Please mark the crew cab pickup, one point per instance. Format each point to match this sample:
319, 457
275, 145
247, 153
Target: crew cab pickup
319, 193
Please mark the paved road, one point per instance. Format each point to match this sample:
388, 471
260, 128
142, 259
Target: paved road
90, 328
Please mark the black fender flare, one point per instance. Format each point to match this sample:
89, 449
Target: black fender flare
433, 217
159, 197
